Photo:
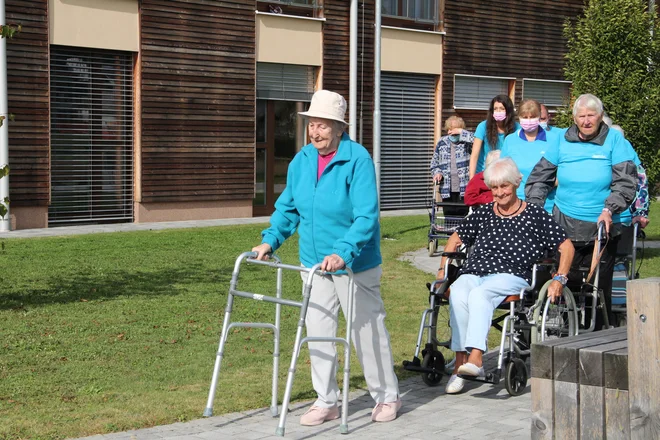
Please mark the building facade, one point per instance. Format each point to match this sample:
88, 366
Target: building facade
161, 110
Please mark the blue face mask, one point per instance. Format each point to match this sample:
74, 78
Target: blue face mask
454, 138
543, 125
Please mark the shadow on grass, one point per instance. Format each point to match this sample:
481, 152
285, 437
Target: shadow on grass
89, 287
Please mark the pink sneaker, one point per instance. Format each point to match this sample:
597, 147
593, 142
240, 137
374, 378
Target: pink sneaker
386, 412
317, 415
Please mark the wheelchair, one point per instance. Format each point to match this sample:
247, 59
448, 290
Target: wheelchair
532, 317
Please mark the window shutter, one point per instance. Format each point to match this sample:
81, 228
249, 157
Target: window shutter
476, 92
285, 82
550, 93
91, 136
407, 131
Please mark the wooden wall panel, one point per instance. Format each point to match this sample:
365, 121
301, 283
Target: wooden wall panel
27, 85
198, 100
512, 38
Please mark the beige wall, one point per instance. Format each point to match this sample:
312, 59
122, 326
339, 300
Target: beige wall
288, 40
411, 51
180, 211
31, 217
100, 24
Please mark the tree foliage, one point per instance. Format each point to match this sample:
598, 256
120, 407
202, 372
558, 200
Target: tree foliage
613, 54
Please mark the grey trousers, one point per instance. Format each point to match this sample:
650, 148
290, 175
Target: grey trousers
369, 335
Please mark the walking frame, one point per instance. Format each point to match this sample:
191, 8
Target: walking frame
227, 325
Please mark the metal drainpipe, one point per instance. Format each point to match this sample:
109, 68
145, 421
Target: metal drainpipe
376, 123
5, 223
352, 88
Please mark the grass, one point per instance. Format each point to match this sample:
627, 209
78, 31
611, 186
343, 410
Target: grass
111, 332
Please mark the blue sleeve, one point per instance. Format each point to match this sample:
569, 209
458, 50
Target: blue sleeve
480, 132
364, 199
285, 219
622, 151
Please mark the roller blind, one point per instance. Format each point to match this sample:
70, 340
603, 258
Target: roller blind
91, 136
285, 82
476, 92
550, 93
407, 131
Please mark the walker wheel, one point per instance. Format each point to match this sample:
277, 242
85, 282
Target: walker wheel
433, 245
515, 380
433, 359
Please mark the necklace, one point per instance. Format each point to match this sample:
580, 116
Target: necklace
497, 206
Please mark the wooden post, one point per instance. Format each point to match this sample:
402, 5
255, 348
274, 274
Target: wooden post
643, 305
617, 414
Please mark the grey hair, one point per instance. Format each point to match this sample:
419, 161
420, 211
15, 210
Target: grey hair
618, 128
338, 127
502, 171
590, 102
607, 120
492, 157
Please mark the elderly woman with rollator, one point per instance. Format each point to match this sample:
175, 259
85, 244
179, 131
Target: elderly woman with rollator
506, 236
596, 181
331, 199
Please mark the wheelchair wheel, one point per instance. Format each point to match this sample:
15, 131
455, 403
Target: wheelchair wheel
515, 379
433, 359
552, 321
433, 246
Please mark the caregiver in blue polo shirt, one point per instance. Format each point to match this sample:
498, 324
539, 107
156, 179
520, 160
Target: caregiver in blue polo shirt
528, 145
490, 134
597, 179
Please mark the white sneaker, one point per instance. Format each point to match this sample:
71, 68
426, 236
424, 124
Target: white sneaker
470, 369
455, 384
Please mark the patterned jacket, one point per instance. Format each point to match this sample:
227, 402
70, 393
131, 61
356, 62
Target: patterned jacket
441, 162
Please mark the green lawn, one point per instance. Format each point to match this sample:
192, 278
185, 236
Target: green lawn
111, 332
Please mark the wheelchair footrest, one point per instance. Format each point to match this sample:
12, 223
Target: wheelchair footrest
491, 378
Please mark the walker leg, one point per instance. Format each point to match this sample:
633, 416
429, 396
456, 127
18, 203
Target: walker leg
294, 359
208, 411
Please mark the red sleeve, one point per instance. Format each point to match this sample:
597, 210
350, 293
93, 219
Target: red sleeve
476, 192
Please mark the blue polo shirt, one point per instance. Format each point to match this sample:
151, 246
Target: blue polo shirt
527, 154
480, 133
584, 173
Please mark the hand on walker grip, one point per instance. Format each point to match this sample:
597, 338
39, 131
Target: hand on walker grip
262, 251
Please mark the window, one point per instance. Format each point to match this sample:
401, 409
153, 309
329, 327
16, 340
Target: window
285, 82
417, 10
91, 145
475, 92
548, 92
304, 8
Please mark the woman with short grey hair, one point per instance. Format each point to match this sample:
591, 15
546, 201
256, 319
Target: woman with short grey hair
506, 238
596, 181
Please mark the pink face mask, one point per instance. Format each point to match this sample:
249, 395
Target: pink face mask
499, 116
530, 124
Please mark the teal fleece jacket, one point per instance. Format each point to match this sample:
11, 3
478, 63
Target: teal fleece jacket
336, 215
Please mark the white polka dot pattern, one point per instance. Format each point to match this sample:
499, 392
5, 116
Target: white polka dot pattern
508, 245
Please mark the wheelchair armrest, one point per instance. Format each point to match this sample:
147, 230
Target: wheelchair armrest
454, 255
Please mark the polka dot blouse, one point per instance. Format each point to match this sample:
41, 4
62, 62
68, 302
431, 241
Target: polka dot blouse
510, 244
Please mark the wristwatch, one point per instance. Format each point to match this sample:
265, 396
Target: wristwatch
563, 279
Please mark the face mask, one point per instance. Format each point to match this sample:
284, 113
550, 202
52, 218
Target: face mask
544, 125
499, 116
529, 124
454, 138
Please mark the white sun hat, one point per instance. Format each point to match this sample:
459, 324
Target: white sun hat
327, 105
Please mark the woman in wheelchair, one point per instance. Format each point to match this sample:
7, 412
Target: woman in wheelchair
506, 238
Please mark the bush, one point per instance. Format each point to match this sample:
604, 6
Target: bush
613, 54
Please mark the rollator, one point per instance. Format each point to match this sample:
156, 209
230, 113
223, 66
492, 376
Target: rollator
227, 325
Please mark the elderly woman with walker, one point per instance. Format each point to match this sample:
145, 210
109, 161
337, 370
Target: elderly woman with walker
331, 199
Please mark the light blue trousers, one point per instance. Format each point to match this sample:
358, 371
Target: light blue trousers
473, 300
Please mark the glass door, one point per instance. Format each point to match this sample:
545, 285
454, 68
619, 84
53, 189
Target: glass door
280, 135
